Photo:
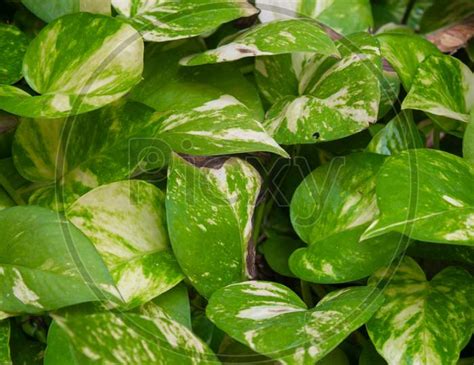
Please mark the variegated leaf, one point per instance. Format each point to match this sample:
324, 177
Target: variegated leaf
165, 20
209, 214
47, 263
334, 103
468, 141
422, 322
442, 86
126, 223
330, 210
434, 200
184, 88
78, 154
272, 320
336, 14
398, 135
48, 10
79, 63
278, 37
220, 126
443, 13
133, 339
405, 52
17, 187
13, 43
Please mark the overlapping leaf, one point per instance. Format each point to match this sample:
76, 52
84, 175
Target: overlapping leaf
278, 37
126, 222
468, 141
209, 214
272, 320
47, 263
165, 20
78, 63
48, 10
13, 43
425, 322
443, 86
434, 200
330, 210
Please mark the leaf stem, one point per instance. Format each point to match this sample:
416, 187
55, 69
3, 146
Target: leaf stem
436, 138
408, 10
319, 290
306, 293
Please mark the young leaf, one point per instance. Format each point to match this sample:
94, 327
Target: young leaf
209, 214
48, 10
330, 210
434, 200
134, 339
13, 43
78, 154
398, 135
47, 263
334, 103
126, 222
425, 322
220, 126
336, 14
279, 37
442, 86
272, 320
79, 63
277, 250
165, 20
405, 52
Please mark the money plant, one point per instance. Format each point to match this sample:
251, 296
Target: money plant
231, 181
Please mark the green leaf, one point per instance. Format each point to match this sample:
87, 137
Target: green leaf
442, 86
405, 52
330, 210
272, 320
13, 43
164, 20
47, 263
444, 13
334, 103
398, 135
424, 322
79, 63
184, 88
434, 200
133, 339
279, 37
468, 141
5, 357
24, 349
5, 200
277, 251
126, 222
60, 350
17, 187
78, 154
217, 127
441, 252
209, 213
48, 10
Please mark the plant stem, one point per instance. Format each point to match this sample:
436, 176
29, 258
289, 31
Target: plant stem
436, 138
319, 290
306, 293
259, 215
408, 10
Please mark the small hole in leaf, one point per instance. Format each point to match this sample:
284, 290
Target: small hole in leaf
316, 135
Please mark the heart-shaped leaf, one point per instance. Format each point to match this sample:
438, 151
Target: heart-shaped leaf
184, 88
78, 63
398, 135
272, 320
13, 43
47, 263
443, 86
126, 222
330, 210
278, 37
133, 339
424, 322
405, 52
78, 154
161, 21
220, 126
336, 14
210, 211
335, 104
48, 10
434, 200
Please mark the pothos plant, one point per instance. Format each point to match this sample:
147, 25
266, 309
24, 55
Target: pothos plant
206, 181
